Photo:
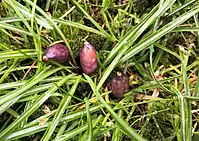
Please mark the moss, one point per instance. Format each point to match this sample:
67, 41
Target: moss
97, 41
2, 10
144, 6
4, 41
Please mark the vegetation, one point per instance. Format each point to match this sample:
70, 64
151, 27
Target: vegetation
155, 42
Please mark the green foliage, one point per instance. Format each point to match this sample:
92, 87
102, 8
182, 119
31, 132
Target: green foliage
156, 43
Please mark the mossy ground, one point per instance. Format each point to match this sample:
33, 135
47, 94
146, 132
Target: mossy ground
153, 112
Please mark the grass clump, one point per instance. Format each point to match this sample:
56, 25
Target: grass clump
156, 47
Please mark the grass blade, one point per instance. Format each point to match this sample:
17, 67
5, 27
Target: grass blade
61, 109
158, 34
112, 38
76, 131
132, 35
55, 26
124, 126
23, 53
90, 127
33, 108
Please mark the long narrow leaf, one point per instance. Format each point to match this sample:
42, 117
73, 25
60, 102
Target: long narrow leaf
61, 109
93, 21
31, 128
90, 126
33, 108
76, 131
55, 26
124, 126
132, 35
158, 34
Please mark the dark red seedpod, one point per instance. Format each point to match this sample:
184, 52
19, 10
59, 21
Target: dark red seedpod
56, 52
120, 85
88, 58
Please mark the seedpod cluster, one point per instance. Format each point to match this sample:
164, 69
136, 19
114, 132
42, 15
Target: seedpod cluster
60, 53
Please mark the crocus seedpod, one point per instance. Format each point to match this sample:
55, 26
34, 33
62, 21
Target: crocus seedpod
56, 52
120, 85
88, 58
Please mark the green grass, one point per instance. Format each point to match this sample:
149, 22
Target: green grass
155, 43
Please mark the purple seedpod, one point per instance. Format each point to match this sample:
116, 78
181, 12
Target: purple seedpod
88, 58
120, 85
56, 52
